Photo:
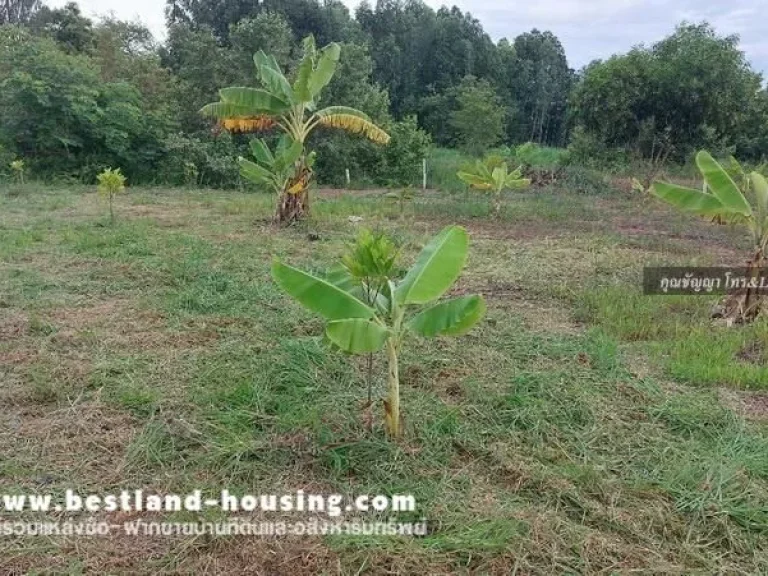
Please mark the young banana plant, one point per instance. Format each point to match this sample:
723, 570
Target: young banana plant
368, 265
357, 327
723, 201
402, 197
494, 177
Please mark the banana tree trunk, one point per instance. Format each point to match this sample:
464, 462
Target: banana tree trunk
497, 205
753, 297
291, 207
392, 403
744, 305
293, 204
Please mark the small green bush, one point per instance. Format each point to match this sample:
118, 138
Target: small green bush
17, 168
202, 159
442, 166
586, 149
583, 180
397, 164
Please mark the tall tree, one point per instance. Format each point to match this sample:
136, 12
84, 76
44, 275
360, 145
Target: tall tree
200, 67
67, 26
18, 11
328, 21
540, 81
419, 52
267, 31
479, 118
694, 89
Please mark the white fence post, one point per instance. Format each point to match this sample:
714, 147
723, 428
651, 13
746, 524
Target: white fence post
424, 174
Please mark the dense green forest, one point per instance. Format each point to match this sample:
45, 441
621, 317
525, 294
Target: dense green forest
78, 96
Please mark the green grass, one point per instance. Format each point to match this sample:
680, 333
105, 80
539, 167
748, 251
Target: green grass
582, 428
676, 333
442, 166
444, 163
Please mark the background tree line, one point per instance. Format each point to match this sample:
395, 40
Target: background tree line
77, 95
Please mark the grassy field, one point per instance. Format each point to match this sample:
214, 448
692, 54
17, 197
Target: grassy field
582, 428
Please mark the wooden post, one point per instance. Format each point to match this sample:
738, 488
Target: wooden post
349, 180
424, 173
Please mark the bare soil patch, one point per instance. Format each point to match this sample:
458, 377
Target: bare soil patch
753, 405
13, 325
754, 352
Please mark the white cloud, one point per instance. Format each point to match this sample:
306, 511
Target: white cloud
151, 13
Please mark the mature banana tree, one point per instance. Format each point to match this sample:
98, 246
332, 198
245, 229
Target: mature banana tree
292, 108
493, 176
724, 201
362, 326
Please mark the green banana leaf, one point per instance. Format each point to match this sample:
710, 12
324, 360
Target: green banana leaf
261, 152
304, 71
357, 336
253, 172
688, 199
272, 78
319, 295
760, 185
722, 185
255, 99
436, 269
450, 318
326, 68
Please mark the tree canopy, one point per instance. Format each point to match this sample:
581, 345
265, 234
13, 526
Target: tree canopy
691, 90
77, 93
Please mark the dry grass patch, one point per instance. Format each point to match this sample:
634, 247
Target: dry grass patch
121, 325
80, 444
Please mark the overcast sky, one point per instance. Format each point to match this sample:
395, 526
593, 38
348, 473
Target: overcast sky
588, 29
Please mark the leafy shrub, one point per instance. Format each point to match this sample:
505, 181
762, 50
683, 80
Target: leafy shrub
397, 164
583, 180
209, 159
442, 166
537, 156
586, 149
403, 157
17, 168
57, 111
